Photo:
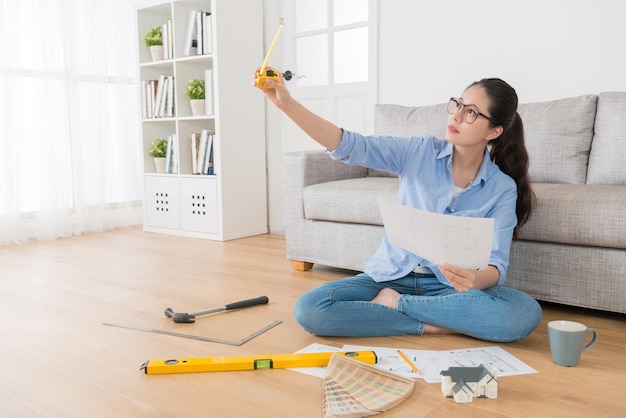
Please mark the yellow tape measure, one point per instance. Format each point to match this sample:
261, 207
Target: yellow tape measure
263, 74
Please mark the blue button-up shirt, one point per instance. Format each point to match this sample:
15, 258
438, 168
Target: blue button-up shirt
424, 168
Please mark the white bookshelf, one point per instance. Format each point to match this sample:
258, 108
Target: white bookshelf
231, 203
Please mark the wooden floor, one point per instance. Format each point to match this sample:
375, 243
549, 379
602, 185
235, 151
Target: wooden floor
59, 360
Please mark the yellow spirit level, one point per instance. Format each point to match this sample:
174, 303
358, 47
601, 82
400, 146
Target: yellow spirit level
271, 361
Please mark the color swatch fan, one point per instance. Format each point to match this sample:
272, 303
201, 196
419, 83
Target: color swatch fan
355, 389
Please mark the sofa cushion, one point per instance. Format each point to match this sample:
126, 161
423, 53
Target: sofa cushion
558, 133
558, 138
590, 215
408, 121
608, 151
353, 200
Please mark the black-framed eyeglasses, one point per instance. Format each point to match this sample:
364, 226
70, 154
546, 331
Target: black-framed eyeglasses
469, 111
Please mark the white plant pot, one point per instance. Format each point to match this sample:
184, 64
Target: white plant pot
159, 164
157, 52
197, 107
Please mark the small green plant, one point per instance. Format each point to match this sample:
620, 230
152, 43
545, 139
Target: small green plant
159, 148
153, 37
195, 89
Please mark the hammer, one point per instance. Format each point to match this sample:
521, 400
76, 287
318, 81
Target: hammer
190, 318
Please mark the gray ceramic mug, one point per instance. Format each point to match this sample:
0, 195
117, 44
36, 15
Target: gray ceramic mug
567, 341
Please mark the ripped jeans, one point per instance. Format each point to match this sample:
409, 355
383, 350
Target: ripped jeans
343, 308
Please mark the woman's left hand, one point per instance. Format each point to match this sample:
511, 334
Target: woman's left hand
465, 279
461, 279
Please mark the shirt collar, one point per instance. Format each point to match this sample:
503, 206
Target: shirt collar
445, 151
485, 167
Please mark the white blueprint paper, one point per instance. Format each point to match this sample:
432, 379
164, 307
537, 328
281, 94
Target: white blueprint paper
457, 240
430, 363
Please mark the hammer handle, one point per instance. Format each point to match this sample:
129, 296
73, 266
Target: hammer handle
261, 300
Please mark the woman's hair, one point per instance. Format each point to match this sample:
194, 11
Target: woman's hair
508, 151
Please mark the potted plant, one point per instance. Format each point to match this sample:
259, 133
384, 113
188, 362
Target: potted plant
154, 41
195, 92
158, 151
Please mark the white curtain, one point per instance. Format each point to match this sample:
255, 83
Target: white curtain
70, 158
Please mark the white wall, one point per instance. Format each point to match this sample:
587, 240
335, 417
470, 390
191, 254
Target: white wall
431, 50
546, 49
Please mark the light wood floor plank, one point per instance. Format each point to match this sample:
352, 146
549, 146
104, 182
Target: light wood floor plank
59, 360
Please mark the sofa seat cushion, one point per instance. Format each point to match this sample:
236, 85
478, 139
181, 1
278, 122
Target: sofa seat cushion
352, 201
591, 215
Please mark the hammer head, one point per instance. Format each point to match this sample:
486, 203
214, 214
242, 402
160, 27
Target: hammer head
180, 318
183, 318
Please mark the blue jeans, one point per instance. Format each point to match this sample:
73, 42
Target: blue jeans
343, 308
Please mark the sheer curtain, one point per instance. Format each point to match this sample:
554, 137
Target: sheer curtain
70, 158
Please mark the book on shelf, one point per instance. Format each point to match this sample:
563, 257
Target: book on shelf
195, 142
170, 97
190, 39
158, 97
167, 38
171, 156
168, 156
165, 41
159, 109
150, 96
199, 35
145, 94
207, 33
208, 157
170, 36
199, 39
208, 91
202, 152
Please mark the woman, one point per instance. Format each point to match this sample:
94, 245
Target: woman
400, 292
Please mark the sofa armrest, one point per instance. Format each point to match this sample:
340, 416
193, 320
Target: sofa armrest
302, 169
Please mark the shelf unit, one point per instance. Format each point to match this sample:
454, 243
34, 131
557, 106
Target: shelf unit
232, 202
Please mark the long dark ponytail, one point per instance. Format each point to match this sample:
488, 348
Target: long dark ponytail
508, 151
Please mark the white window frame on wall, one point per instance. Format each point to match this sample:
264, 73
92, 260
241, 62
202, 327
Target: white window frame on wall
349, 105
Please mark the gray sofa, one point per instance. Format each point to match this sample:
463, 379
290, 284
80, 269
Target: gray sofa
573, 249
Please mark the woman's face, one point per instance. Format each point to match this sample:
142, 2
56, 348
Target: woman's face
473, 106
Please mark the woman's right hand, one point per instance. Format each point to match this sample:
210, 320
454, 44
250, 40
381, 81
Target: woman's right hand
324, 132
277, 92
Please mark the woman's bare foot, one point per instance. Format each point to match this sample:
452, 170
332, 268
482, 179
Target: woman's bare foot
432, 329
387, 297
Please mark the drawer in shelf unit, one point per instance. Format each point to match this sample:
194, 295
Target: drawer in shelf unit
198, 204
162, 202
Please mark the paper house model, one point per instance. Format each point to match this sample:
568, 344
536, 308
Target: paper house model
466, 383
